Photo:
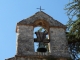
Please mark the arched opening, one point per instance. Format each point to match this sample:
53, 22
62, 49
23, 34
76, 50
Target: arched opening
41, 38
42, 23
36, 42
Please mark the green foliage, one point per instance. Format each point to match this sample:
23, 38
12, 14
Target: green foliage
40, 29
73, 8
74, 30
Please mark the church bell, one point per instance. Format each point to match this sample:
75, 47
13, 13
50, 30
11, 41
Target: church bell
41, 36
41, 47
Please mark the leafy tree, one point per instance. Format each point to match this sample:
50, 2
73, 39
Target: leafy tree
73, 37
73, 30
73, 8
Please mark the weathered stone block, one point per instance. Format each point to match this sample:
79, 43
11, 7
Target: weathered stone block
58, 43
25, 40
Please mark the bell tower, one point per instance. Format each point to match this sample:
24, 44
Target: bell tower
58, 44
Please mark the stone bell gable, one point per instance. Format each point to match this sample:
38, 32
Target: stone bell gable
58, 45
41, 16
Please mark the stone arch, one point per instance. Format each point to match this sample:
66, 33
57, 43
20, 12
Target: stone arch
42, 23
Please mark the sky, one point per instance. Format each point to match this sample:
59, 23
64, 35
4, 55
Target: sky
13, 11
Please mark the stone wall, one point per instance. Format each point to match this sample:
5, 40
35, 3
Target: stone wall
25, 42
22, 58
58, 42
35, 58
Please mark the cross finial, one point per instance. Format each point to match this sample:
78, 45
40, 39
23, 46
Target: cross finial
40, 8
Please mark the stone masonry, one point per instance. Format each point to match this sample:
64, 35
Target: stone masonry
25, 40
59, 45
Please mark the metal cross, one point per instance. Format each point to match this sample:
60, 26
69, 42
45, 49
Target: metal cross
40, 8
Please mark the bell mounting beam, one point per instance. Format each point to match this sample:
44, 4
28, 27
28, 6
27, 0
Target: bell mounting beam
45, 41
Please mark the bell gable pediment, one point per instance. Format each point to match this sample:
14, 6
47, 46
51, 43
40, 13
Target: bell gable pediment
41, 16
